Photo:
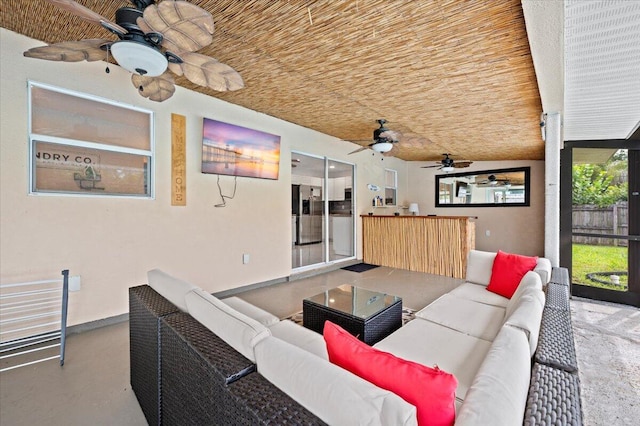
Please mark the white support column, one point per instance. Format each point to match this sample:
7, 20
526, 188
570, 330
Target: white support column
553, 145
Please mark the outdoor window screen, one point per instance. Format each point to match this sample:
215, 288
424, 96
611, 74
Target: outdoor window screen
80, 144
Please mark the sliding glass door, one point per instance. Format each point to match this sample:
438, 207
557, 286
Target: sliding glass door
341, 218
600, 219
322, 220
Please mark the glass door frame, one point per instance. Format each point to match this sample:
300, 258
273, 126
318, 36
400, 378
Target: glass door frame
632, 295
325, 234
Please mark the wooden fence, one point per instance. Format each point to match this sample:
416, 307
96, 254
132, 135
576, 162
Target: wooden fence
601, 220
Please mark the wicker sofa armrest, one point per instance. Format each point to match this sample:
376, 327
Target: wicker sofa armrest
146, 307
554, 392
196, 366
560, 276
554, 398
556, 347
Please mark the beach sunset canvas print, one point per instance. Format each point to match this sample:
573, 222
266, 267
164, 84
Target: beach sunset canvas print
233, 150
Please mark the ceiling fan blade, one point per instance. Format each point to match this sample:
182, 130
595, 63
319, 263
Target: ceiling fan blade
390, 134
208, 72
157, 89
184, 26
362, 148
71, 51
429, 167
462, 164
86, 14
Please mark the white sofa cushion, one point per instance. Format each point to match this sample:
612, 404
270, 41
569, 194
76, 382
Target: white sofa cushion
431, 344
498, 394
263, 317
530, 282
479, 266
466, 316
331, 393
301, 337
172, 289
479, 293
238, 330
543, 268
527, 316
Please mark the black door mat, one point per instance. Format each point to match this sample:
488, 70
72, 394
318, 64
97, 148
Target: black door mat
360, 267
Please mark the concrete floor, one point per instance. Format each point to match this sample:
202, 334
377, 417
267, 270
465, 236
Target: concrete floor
93, 386
607, 340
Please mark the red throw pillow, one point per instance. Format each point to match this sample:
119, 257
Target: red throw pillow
431, 390
508, 270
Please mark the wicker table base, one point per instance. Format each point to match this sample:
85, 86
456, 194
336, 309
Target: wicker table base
370, 329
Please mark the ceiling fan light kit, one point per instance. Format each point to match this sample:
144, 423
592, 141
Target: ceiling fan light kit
139, 58
382, 147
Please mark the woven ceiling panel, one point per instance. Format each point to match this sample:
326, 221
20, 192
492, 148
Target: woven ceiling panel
452, 76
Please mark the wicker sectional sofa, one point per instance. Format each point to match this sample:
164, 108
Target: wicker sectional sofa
182, 372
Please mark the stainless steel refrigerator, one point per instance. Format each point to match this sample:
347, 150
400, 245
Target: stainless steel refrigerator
308, 207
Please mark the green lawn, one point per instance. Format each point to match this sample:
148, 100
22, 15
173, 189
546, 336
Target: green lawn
588, 258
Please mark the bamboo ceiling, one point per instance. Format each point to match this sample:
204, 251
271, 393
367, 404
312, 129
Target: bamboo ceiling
451, 75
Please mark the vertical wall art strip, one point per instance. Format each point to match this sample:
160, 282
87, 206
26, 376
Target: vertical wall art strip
178, 160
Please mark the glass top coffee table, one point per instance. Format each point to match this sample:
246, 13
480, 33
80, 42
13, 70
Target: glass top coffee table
369, 315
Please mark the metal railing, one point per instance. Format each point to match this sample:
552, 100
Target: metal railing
33, 320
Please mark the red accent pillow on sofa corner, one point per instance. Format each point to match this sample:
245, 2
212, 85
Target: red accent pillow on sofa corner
431, 390
508, 270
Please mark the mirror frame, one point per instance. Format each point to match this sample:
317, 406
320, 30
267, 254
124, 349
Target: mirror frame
527, 187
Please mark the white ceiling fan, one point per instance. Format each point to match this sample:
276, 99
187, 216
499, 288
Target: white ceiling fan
151, 39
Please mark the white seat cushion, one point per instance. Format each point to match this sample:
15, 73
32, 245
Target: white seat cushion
331, 393
301, 337
498, 394
431, 344
263, 317
172, 289
479, 293
238, 330
466, 316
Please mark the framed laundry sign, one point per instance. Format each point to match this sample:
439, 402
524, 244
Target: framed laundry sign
84, 145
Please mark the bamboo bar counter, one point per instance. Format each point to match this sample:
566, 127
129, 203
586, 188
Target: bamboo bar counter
433, 244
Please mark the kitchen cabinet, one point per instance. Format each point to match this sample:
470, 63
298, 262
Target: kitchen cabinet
342, 233
336, 188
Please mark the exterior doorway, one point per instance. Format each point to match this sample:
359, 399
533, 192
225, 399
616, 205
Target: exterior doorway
600, 219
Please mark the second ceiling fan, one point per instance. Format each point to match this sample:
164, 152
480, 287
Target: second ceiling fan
383, 139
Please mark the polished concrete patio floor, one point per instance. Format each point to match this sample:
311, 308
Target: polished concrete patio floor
93, 386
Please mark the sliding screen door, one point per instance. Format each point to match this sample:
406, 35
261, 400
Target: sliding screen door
600, 221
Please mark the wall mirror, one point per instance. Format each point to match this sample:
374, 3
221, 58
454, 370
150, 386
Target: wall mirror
486, 188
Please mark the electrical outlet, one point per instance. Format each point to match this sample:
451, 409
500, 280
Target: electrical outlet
487, 233
245, 258
74, 283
